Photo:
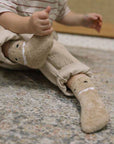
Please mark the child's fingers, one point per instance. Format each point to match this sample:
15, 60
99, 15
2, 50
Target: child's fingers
93, 18
43, 15
44, 22
96, 16
48, 9
96, 22
93, 26
46, 32
100, 23
97, 27
45, 27
99, 17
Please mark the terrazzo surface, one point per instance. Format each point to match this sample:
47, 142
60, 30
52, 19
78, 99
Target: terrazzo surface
34, 111
99, 43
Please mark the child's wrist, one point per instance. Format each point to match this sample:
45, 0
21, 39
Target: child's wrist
29, 28
26, 26
82, 22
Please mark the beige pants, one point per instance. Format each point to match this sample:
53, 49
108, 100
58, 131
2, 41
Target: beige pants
59, 66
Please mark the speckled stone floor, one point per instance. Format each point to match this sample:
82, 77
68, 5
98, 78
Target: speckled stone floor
99, 43
34, 111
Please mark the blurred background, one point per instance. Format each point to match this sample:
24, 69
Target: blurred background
103, 7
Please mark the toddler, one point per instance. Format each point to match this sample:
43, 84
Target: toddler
27, 41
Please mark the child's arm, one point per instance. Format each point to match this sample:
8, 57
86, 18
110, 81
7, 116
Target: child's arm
14, 22
37, 24
91, 20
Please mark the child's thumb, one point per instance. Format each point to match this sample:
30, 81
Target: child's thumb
48, 9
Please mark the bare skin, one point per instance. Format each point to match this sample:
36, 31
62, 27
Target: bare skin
38, 23
91, 20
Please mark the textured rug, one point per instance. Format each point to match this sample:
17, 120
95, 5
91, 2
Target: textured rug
34, 111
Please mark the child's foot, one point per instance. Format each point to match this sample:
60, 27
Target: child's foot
32, 53
93, 113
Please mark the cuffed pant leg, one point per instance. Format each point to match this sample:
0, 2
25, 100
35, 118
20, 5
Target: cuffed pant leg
61, 65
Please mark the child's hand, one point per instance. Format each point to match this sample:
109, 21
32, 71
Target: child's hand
93, 20
39, 23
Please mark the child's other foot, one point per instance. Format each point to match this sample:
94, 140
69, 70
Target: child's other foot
93, 113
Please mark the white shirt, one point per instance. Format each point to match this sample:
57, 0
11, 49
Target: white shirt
59, 8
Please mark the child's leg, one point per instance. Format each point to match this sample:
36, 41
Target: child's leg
32, 53
62, 69
93, 113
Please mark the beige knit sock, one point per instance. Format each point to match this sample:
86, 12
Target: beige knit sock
32, 53
93, 113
